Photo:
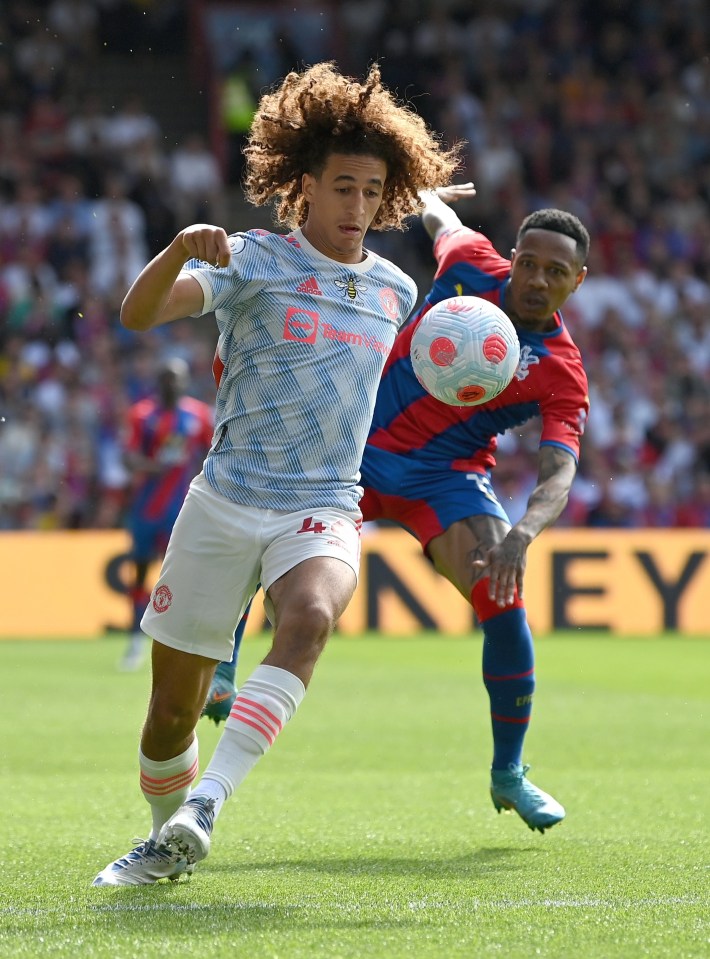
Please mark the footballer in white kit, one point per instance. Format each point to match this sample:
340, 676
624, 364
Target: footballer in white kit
302, 343
306, 321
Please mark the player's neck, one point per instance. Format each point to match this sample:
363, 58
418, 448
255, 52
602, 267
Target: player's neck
344, 253
535, 326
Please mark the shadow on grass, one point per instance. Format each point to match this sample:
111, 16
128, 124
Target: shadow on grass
279, 895
347, 893
467, 865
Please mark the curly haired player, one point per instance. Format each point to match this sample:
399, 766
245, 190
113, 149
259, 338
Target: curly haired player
306, 321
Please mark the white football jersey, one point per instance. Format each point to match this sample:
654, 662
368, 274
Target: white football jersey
302, 343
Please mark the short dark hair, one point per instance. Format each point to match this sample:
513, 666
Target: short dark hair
559, 221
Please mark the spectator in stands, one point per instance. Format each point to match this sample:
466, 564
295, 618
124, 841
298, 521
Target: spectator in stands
620, 136
195, 182
118, 243
130, 126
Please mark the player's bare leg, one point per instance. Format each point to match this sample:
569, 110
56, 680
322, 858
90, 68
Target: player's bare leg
168, 763
307, 603
180, 684
508, 660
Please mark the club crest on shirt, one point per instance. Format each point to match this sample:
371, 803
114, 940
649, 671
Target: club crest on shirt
389, 302
527, 359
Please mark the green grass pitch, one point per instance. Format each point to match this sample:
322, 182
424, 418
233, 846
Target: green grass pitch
368, 830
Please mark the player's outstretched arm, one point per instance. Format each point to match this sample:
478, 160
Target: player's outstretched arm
505, 563
157, 295
557, 468
436, 214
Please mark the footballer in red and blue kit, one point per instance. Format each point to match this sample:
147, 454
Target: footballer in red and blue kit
174, 438
428, 465
178, 439
421, 453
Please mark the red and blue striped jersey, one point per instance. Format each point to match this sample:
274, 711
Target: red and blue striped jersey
177, 438
549, 382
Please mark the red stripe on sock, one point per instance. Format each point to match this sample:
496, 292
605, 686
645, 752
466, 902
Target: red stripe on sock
172, 787
510, 719
163, 787
240, 710
250, 702
274, 728
265, 732
497, 679
167, 779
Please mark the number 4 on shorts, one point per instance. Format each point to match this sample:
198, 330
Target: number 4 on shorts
310, 527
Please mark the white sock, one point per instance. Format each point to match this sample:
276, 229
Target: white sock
264, 704
166, 785
211, 789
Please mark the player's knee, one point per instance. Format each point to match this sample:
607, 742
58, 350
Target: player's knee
318, 619
486, 608
310, 623
170, 718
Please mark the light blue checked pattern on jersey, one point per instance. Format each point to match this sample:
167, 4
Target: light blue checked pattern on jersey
303, 340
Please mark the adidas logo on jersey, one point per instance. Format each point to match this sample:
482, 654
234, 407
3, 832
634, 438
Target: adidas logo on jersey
309, 286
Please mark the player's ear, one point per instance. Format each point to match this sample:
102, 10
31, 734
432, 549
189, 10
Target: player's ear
580, 279
307, 181
512, 254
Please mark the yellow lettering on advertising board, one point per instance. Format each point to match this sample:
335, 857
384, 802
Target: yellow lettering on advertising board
641, 582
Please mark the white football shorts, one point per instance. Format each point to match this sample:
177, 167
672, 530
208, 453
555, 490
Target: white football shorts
220, 551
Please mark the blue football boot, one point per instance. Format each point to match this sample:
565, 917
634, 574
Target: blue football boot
510, 789
222, 694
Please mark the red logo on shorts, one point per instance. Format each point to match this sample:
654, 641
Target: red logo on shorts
162, 598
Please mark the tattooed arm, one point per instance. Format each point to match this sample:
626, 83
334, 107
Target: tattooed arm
505, 563
556, 471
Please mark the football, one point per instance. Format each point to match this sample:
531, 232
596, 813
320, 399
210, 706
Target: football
464, 351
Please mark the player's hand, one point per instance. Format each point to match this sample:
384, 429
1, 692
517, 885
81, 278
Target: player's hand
504, 565
205, 242
455, 191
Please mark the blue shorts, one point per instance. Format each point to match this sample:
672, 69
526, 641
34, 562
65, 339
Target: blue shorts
422, 498
149, 537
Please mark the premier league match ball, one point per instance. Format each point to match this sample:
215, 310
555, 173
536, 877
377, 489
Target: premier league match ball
465, 351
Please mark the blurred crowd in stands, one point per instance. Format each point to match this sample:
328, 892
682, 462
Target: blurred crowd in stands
600, 107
